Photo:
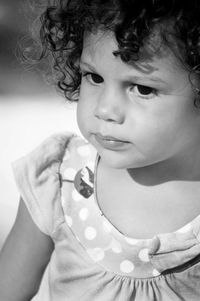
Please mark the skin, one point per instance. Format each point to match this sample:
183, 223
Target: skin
23, 258
150, 106
161, 128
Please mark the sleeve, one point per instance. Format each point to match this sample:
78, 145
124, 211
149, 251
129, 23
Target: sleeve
37, 176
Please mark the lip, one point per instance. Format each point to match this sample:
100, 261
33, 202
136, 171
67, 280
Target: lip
110, 142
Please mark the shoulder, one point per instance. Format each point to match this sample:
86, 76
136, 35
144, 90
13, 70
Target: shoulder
50, 151
37, 176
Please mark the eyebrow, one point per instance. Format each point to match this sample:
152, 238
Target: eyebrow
129, 76
143, 77
88, 65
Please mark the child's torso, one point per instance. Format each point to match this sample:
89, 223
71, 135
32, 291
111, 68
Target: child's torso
93, 260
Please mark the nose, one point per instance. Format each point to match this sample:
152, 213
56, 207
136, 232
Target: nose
110, 106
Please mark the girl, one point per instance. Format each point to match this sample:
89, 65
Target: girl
115, 216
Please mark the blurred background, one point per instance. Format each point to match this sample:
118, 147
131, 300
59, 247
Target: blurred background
30, 108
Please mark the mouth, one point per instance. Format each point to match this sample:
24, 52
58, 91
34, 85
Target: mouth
110, 142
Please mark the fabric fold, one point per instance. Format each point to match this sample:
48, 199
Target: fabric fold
38, 181
171, 250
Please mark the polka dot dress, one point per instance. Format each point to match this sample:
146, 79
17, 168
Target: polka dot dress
103, 243
92, 260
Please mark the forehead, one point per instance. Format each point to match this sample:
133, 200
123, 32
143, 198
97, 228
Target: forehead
95, 43
100, 46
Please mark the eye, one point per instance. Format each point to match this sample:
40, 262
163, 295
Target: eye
144, 91
93, 78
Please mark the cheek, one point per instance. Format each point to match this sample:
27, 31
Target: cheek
80, 115
156, 132
84, 116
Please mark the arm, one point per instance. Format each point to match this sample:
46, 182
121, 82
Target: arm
23, 258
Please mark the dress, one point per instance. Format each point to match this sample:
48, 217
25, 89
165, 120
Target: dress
92, 260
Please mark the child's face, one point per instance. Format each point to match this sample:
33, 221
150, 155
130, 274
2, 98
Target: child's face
140, 114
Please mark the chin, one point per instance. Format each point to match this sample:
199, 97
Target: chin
121, 163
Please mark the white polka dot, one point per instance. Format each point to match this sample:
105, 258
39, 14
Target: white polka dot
69, 173
155, 273
90, 233
66, 155
83, 214
76, 196
68, 220
131, 241
126, 266
107, 226
83, 150
144, 255
116, 247
97, 254
185, 229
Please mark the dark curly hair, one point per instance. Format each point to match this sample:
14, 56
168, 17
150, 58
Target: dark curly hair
64, 23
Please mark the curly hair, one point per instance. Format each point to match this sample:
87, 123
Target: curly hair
64, 23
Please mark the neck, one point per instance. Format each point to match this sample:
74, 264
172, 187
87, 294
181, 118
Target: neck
187, 169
